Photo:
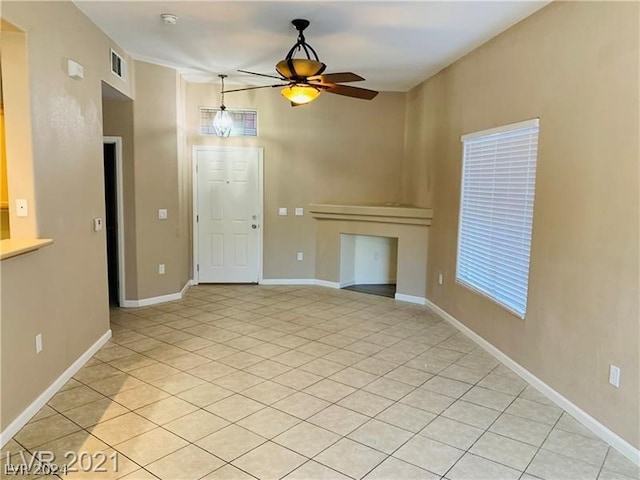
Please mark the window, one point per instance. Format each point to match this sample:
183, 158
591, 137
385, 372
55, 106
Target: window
245, 122
496, 212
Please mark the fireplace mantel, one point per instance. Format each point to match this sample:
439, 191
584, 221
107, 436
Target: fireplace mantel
381, 213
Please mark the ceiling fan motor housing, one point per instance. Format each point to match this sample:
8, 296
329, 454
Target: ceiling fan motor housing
298, 69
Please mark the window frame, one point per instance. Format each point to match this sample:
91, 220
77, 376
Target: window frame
526, 213
231, 111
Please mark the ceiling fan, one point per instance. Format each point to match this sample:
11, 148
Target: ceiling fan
304, 76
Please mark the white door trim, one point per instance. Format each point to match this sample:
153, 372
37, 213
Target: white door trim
120, 211
194, 183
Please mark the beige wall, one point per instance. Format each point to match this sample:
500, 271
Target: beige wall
575, 66
158, 173
60, 291
155, 175
117, 116
336, 149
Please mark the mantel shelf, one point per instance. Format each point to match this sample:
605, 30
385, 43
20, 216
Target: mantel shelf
13, 247
381, 213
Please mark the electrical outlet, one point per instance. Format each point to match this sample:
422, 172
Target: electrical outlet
161, 269
300, 256
162, 214
22, 207
299, 211
440, 279
38, 343
614, 376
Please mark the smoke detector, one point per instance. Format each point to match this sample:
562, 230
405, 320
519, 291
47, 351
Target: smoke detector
169, 18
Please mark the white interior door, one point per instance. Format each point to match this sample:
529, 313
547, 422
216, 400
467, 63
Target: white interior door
228, 211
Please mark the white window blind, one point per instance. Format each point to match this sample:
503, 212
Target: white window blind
496, 212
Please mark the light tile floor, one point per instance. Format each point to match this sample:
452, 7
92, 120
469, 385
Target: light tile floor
237, 382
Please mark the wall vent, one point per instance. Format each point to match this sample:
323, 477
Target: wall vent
118, 65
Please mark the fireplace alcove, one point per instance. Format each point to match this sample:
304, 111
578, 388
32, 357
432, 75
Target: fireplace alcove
406, 223
369, 264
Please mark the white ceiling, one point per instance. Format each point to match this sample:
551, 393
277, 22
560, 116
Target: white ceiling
393, 45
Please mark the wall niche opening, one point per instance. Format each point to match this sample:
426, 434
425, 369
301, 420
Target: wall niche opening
369, 264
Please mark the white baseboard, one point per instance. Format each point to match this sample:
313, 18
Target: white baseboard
299, 281
145, 302
327, 283
22, 419
411, 299
288, 281
189, 283
374, 281
617, 442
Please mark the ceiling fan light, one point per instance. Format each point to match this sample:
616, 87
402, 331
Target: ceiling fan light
222, 123
299, 67
300, 94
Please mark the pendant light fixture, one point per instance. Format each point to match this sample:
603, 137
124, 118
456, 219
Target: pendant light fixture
222, 122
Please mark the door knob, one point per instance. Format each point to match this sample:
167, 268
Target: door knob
254, 226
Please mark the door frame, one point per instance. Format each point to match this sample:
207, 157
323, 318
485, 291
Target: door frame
194, 183
117, 141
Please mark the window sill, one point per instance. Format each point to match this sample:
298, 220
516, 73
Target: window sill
12, 247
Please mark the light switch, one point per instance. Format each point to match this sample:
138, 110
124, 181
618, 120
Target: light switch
162, 214
22, 207
97, 224
299, 211
282, 211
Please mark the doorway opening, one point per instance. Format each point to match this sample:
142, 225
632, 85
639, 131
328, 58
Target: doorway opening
113, 224
369, 264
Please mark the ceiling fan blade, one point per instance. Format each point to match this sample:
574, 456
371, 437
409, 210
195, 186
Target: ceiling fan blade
355, 92
260, 74
342, 77
252, 88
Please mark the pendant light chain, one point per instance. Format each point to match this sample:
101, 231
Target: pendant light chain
222, 107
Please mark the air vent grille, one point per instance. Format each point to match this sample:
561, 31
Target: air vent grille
118, 65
